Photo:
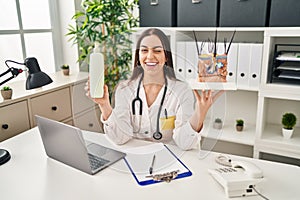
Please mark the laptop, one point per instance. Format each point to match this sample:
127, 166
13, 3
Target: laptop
65, 143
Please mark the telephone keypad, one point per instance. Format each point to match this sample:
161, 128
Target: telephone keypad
226, 170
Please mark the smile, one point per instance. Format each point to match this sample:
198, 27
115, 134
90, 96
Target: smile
151, 64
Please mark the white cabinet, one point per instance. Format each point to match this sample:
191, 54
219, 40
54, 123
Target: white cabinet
54, 105
86, 115
275, 99
89, 120
63, 100
14, 119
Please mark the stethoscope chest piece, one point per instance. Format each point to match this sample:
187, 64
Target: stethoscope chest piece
157, 135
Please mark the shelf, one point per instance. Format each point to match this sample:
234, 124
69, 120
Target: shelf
280, 91
211, 85
228, 133
282, 32
272, 137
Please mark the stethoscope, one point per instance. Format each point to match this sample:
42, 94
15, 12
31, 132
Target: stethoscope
157, 134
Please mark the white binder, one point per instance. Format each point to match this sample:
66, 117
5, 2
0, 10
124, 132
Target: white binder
191, 62
180, 61
255, 66
220, 48
244, 59
232, 63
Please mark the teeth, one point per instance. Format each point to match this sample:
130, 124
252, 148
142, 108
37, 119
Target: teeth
152, 64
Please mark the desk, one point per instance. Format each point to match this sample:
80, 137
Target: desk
31, 175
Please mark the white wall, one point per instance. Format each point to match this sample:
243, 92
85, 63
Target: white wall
69, 51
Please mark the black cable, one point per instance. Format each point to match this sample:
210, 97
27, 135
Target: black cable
13, 62
262, 196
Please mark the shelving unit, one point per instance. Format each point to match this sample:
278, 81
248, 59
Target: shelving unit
261, 108
275, 99
232, 105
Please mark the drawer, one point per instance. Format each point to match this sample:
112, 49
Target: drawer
80, 101
243, 13
161, 13
89, 121
194, 13
285, 13
55, 105
14, 119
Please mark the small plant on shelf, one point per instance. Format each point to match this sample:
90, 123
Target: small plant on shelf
66, 69
218, 123
288, 122
65, 66
6, 88
239, 125
6, 92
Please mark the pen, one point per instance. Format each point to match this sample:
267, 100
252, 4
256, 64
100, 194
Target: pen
152, 163
166, 113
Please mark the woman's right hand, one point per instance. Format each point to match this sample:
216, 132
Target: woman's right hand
103, 103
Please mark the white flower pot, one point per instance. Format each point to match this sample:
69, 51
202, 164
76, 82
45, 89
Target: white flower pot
217, 125
287, 133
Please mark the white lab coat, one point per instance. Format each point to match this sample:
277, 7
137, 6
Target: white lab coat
179, 101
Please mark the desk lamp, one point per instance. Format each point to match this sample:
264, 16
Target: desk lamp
36, 78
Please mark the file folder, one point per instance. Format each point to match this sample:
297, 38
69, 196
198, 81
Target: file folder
180, 58
191, 63
255, 66
232, 60
243, 66
140, 160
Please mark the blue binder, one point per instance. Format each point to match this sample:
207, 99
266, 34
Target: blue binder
166, 161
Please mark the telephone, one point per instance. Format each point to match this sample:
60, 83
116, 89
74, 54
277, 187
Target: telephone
239, 179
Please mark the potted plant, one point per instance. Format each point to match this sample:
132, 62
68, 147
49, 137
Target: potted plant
66, 69
110, 24
6, 92
288, 121
239, 125
218, 123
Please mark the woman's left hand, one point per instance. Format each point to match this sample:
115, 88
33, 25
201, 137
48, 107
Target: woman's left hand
203, 103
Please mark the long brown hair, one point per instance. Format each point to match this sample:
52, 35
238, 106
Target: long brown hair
168, 68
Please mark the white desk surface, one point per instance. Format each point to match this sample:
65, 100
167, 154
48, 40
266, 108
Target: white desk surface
31, 175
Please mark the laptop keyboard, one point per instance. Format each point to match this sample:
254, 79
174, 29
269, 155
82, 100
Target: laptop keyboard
96, 162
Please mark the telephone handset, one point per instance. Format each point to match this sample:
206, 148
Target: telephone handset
248, 168
239, 179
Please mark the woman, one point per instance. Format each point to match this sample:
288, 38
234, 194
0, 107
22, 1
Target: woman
154, 105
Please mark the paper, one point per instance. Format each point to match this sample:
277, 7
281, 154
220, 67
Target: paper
290, 56
139, 161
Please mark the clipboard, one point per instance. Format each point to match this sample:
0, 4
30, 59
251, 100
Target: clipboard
166, 161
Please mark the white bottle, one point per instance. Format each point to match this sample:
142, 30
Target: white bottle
96, 72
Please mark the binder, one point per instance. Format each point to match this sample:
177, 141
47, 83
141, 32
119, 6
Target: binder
180, 61
191, 63
255, 66
139, 160
244, 53
232, 60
